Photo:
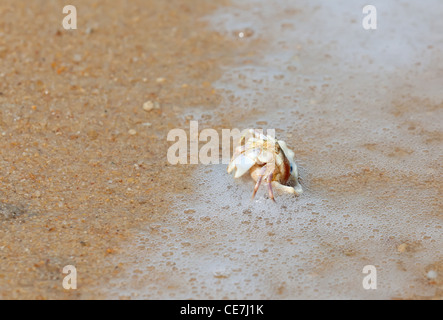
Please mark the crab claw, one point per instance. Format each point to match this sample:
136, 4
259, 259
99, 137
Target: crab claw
242, 164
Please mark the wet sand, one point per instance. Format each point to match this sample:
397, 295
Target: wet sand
360, 110
69, 165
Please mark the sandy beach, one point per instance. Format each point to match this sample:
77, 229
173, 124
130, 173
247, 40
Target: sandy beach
85, 180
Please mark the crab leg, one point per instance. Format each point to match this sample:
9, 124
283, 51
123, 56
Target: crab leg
271, 194
260, 177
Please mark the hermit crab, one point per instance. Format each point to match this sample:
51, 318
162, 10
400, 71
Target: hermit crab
266, 159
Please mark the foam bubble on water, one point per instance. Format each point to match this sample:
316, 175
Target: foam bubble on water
298, 247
